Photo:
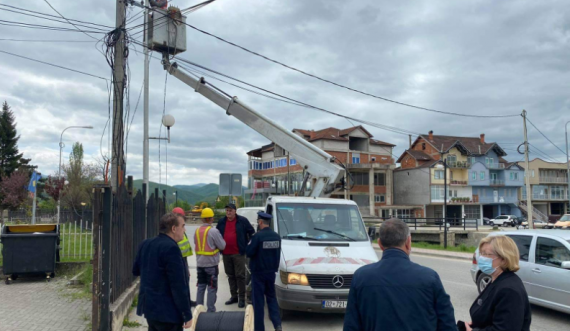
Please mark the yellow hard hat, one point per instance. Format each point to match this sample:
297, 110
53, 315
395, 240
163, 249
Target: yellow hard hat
207, 213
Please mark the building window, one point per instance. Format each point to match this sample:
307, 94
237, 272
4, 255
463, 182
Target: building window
471, 160
438, 174
451, 158
482, 175
532, 173
514, 176
474, 175
355, 158
437, 192
292, 162
423, 146
472, 212
381, 198
379, 179
403, 213
360, 178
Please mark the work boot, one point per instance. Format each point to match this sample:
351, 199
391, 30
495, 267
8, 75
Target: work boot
231, 301
241, 303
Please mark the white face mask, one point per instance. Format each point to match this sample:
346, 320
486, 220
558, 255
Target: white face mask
486, 265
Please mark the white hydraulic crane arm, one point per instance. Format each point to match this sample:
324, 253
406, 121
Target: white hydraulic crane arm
315, 161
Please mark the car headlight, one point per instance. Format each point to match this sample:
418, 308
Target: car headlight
294, 278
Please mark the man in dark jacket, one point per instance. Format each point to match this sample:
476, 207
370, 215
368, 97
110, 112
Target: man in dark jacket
164, 295
395, 293
236, 231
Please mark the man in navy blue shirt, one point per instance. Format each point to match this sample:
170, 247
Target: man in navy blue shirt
164, 295
395, 293
264, 252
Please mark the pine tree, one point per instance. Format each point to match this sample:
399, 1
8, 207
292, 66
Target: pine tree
10, 158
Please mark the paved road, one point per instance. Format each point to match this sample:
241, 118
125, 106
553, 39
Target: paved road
455, 277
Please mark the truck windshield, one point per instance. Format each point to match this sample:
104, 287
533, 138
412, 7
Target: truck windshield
327, 222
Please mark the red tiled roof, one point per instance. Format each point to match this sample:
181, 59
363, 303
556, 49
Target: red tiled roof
349, 130
472, 145
417, 155
380, 143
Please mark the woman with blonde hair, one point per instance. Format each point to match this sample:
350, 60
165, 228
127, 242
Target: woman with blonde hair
503, 305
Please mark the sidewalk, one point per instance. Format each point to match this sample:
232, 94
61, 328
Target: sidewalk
436, 253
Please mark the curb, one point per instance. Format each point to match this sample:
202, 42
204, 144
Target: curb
436, 254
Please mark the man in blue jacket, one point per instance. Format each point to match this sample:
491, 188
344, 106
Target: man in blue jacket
395, 293
164, 295
237, 232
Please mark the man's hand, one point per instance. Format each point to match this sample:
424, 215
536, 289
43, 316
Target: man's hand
468, 326
188, 324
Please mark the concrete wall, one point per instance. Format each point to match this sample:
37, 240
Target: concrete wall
382, 150
334, 144
411, 187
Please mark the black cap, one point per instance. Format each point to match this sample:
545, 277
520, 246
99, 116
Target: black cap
264, 216
231, 205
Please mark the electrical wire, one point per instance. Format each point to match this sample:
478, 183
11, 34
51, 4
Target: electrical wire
545, 137
55, 10
42, 27
53, 65
49, 15
48, 41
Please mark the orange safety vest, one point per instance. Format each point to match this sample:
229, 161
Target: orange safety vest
202, 247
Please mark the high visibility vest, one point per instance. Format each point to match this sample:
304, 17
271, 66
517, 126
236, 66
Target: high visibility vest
202, 246
185, 247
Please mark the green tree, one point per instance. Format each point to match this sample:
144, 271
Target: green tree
223, 201
80, 180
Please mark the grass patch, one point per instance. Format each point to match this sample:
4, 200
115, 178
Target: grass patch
461, 248
84, 292
131, 324
76, 244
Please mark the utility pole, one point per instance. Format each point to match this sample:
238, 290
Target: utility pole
527, 176
568, 168
145, 99
118, 89
444, 203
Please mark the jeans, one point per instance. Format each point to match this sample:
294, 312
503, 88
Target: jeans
208, 278
235, 269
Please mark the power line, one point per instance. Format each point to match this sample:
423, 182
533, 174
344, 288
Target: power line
53, 65
52, 19
75, 26
553, 144
49, 15
42, 27
49, 41
340, 85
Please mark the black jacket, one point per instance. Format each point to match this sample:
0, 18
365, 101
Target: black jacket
264, 251
503, 305
164, 294
244, 231
397, 294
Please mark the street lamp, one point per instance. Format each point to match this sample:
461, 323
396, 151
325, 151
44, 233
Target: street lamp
176, 194
567, 167
61, 145
444, 166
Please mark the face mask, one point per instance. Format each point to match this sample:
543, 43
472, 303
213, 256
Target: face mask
486, 265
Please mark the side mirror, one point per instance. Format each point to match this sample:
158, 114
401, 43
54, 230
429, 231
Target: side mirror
565, 265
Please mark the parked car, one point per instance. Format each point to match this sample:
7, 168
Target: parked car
538, 224
563, 222
504, 220
544, 267
486, 220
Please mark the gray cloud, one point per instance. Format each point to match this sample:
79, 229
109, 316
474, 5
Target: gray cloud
468, 57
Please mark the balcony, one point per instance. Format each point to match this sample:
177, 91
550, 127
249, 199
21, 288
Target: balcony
497, 166
459, 164
498, 199
458, 183
556, 197
554, 180
497, 182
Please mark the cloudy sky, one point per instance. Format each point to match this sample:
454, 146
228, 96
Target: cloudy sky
470, 57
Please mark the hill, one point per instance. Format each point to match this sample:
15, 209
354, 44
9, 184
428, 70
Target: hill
188, 196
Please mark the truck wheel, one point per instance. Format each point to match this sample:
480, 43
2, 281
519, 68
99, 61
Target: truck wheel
483, 281
492, 223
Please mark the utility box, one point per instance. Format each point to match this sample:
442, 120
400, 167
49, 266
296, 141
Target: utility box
167, 31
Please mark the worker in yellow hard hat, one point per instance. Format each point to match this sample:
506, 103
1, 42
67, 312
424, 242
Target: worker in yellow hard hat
208, 242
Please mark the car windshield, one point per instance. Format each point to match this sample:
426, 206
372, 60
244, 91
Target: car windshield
328, 222
565, 218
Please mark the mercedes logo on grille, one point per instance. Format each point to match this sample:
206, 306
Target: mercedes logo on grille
338, 281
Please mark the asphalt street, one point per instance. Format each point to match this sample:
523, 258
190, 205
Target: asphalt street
454, 275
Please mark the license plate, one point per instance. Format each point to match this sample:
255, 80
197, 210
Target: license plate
331, 304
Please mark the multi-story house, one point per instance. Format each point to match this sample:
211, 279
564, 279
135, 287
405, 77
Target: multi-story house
272, 171
480, 183
549, 186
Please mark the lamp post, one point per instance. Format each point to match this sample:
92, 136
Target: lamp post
176, 194
61, 145
439, 166
567, 168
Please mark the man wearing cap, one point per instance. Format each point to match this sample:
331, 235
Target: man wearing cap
237, 232
208, 242
264, 252
184, 245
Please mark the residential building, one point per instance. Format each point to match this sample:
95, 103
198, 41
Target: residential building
272, 171
480, 183
549, 186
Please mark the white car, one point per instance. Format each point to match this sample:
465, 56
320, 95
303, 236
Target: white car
504, 220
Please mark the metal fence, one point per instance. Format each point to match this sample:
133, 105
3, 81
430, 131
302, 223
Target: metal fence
24, 216
455, 223
76, 241
119, 227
